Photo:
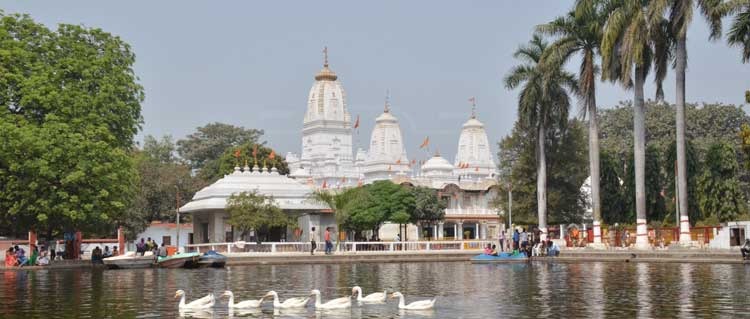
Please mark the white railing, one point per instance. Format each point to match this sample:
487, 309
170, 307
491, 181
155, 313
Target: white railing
470, 211
343, 247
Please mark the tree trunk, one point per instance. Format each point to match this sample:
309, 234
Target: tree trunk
680, 66
596, 204
639, 150
541, 182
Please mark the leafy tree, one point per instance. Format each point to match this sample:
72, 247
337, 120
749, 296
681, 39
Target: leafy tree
384, 198
225, 163
211, 141
631, 45
580, 32
252, 211
69, 109
718, 187
567, 164
693, 173
543, 105
428, 207
341, 202
614, 203
739, 31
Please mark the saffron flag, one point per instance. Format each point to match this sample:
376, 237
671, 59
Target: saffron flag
398, 161
272, 155
476, 169
255, 151
325, 185
356, 123
237, 153
425, 143
413, 162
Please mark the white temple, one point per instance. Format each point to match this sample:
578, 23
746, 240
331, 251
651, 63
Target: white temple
327, 160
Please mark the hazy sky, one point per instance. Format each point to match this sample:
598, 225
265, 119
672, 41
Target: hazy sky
252, 63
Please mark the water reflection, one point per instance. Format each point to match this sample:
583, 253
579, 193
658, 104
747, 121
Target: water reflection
463, 290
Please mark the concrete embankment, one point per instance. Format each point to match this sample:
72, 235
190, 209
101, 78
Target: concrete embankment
361, 257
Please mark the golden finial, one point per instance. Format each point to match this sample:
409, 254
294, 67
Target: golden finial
325, 56
473, 101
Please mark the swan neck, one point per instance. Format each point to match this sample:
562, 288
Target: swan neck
401, 302
359, 294
182, 301
317, 300
276, 302
231, 299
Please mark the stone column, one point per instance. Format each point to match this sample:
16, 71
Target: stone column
455, 231
484, 230
434, 231
32, 240
460, 232
416, 232
120, 240
476, 231
440, 230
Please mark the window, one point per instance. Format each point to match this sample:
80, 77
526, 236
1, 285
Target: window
166, 240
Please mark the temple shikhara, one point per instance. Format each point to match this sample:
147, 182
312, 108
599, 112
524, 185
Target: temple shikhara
328, 160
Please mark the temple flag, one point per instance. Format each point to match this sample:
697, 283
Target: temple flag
272, 155
325, 185
425, 143
237, 153
356, 123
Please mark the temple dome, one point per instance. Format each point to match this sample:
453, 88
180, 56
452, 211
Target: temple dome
473, 156
327, 99
437, 164
386, 141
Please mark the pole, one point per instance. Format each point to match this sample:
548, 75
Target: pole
177, 209
676, 197
510, 205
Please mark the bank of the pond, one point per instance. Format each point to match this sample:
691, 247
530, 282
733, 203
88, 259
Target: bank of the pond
566, 256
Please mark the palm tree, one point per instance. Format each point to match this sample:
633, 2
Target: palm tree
580, 32
739, 32
339, 202
543, 104
680, 13
632, 44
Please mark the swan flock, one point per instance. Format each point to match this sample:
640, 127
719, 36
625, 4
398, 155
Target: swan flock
207, 302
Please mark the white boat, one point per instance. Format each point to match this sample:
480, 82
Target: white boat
130, 260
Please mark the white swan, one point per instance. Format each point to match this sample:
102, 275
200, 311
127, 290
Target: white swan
206, 302
242, 304
377, 297
338, 303
297, 302
417, 305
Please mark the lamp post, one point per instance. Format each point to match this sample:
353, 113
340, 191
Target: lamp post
177, 209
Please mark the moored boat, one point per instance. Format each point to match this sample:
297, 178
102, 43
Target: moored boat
212, 259
186, 260
129, 261
500, 258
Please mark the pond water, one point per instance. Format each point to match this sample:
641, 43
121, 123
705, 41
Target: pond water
464, 290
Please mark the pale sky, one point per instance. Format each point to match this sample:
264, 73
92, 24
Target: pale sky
252, 63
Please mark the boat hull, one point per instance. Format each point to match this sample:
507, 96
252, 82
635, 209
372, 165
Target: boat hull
502, 258
129, 263
212, 259
178, 261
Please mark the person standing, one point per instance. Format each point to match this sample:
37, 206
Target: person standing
313, 241
501, 239
329, 244
745, 250
516, 238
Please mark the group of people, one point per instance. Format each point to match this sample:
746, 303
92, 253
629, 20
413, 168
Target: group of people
525, 242
97, 254
150, 245
16, 257
326, 237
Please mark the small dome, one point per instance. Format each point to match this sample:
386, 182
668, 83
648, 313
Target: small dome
326, 74
437, 163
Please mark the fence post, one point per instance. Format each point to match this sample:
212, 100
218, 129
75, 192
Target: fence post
354, 247
461, 244
390, 247
229, 248
273, 247
428, 246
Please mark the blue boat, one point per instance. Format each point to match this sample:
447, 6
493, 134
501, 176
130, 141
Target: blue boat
500, 258
212, 259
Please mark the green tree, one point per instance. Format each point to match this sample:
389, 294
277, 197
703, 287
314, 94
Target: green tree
614, 204
631, 45
739, 32
693, 173
211, 141
428, 207
225, 163
69, 109
580, 32
566, 150
543, 105
341, 202
384, 198
252, 211
718, 187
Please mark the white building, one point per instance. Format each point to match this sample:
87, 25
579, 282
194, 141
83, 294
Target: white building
328, 160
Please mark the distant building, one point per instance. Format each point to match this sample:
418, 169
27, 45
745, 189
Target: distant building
327, 160
165, 233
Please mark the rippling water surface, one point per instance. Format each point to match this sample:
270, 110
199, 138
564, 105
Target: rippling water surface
464, 290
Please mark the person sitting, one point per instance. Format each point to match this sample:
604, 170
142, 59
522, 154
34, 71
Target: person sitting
96, 255
107, 252
10, 258
34, 255
745, 250
114, 251
43, 257
21, 256
162, 250
552, 249
494, 252
140, 247
487, 249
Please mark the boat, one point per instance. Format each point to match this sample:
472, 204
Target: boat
130, 260
500, 258
184, 260
212, 259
